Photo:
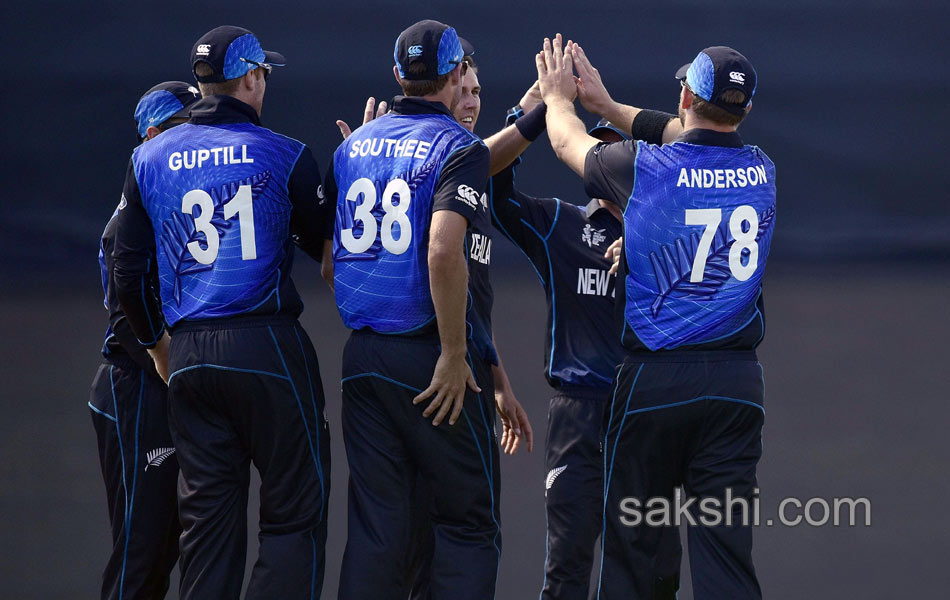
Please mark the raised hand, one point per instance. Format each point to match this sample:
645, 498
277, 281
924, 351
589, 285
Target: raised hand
370, 112
556, 72
531, 98
590, 88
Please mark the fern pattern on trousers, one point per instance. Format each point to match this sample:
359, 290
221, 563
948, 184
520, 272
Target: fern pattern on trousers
156, 457
179, 230
674, 265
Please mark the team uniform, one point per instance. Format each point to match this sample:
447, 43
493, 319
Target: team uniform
687, 404
419, 155
215, 204
129, 407
566, 244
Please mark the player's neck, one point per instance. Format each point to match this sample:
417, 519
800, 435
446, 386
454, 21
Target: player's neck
446, 95
694, 121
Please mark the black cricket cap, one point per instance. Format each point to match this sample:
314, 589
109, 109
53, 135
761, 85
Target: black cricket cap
717, 69
604, 125
434, 44
232, 52
167, 100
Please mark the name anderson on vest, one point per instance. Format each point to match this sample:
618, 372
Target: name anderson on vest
722, 178
195, 159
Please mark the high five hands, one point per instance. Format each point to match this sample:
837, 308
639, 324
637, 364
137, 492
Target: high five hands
555, 65
556, 75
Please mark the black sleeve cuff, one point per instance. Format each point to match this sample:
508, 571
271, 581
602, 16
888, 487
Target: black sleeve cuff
514, 113
532, 124
648, 125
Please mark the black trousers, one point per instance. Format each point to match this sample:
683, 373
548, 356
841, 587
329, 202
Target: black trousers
244, 391
130, 414
574, 489
398, 461
693, 421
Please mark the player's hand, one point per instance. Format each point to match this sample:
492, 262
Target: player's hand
370, 112
515, 425
531, 98
613, 254
450, 379
159, 356
590, 88
556, 71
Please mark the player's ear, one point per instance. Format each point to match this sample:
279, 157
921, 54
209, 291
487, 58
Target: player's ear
151, 132
687, 99
249, 80
396, 75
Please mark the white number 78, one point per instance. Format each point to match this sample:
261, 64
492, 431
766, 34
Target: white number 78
744, 240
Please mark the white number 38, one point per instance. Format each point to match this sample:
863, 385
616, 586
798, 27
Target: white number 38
393, 214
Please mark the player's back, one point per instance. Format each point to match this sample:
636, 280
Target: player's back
698, 228
218, 199
386, 173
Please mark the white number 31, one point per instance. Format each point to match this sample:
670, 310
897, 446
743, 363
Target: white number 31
744, 240
241, 205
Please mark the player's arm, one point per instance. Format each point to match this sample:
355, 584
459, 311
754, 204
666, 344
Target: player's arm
653, 126
525, 220
118, 323
514, 419
309, 207
454, 203
330, 190
524, 124
567, 132
134, 255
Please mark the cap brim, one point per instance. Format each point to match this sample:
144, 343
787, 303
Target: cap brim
598, 128
467, 48
274, 59
183, 113
681, 73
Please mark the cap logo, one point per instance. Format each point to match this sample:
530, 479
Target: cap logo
737, 77
203, 50
415, 50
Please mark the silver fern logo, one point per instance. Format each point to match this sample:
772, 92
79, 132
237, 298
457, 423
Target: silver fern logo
157, 456
552, 475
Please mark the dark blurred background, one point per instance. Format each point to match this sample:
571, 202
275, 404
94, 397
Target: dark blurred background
850, 106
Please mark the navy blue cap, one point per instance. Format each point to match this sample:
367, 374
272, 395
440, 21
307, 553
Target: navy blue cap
434, 44
164, 101
232, 52
605, 125
717, 69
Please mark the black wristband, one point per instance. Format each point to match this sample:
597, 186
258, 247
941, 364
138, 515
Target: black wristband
648, 125
532, 124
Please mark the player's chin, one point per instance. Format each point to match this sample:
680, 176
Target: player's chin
468, 124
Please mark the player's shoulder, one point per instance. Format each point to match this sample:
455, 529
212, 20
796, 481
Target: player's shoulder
279, 136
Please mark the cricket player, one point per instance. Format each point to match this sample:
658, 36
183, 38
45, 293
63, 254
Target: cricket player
129, 412
687, 402
408, 185
565, 244
216, 205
